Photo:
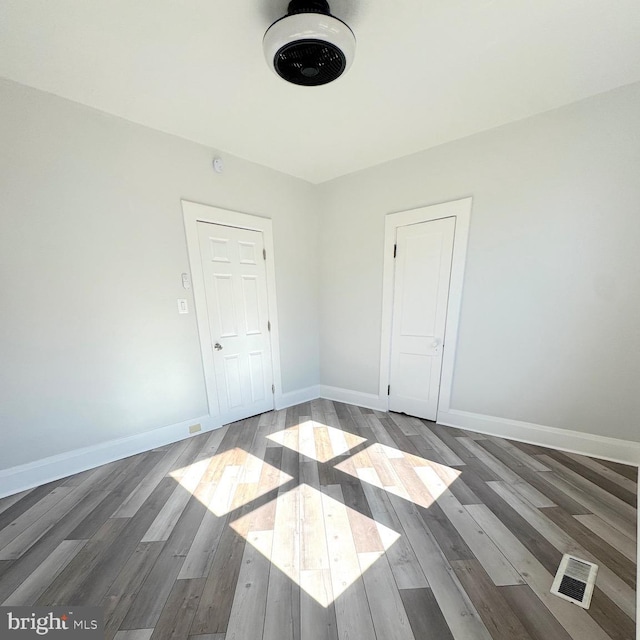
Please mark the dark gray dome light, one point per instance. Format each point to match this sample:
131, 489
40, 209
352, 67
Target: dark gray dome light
309, 46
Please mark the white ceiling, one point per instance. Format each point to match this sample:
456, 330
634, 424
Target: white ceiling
425, 71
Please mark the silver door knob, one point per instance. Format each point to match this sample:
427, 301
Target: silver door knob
217, 346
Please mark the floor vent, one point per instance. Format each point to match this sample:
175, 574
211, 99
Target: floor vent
574, 580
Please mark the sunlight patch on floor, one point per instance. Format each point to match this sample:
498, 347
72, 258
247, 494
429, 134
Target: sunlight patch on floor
313, 540
316, 440
214, 480
386, 472
308, 532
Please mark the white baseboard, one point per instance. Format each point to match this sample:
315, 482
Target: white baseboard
368, 400
587, 444
33, 474
298, 396
39, 472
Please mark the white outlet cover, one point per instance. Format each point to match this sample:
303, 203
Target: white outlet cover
182, 306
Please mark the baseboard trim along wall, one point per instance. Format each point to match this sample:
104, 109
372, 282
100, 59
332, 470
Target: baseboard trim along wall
367, 400
34, 474
292, 398
586, 444
39, 472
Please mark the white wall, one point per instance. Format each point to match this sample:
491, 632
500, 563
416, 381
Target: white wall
550, 322
92, 246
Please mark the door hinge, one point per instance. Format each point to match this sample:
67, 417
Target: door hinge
268, 325
264, 254
273, 388
388, 390
395, 250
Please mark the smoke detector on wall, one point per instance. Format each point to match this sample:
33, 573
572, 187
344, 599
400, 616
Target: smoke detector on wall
309, 46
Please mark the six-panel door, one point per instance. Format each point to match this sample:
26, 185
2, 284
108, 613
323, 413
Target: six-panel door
236, 291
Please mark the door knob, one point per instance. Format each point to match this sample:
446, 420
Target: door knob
217, 346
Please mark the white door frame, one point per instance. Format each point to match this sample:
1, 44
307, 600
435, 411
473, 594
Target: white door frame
461, 210
193, 213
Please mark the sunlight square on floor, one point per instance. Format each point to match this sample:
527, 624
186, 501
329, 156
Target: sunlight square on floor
312, 438
313, 534
214, 480
316, 548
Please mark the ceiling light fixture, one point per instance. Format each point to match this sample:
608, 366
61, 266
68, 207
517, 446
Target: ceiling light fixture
309, 46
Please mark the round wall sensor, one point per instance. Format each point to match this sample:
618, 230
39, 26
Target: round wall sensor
218, 165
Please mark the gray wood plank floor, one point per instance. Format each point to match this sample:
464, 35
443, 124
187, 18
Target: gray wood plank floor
328, 521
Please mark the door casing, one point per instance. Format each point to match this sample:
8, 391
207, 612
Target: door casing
461, 210
193, 213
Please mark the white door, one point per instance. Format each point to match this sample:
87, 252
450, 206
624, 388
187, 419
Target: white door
421, 292
236, 290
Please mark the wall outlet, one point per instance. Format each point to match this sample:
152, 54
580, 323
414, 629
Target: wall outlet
194, 428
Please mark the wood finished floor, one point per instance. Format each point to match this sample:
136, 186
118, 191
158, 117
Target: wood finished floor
332, 522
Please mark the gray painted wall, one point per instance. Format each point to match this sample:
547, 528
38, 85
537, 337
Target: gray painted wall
550, 321
92, 246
